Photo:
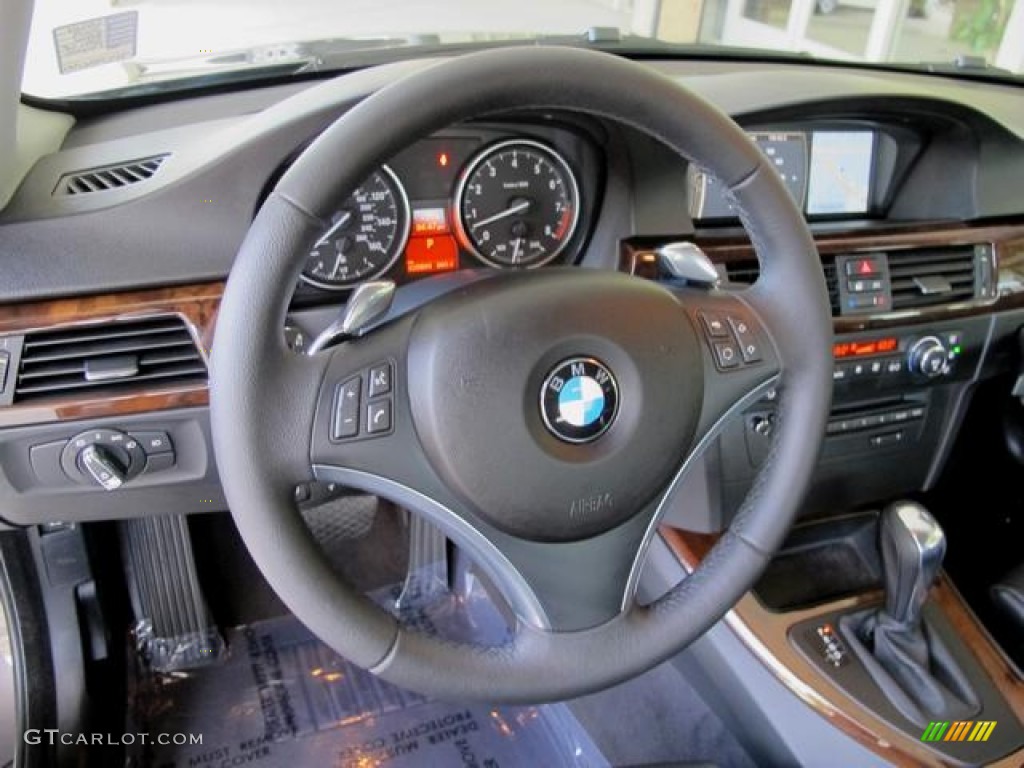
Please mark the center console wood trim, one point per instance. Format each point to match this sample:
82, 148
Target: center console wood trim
197, 305
766, 634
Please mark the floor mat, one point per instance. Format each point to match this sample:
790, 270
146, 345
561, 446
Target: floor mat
280, 697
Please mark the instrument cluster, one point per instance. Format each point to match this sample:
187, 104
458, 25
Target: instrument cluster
461, 199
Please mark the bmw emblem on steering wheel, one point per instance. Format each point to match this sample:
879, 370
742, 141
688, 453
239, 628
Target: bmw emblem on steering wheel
579, 400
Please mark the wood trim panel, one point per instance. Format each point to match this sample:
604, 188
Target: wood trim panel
766, 634
196, 304
637, 258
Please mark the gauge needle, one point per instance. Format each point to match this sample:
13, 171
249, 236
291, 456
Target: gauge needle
341, 222
515, 250
337, 265
512, 210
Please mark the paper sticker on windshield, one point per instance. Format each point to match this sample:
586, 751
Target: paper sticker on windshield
91, 43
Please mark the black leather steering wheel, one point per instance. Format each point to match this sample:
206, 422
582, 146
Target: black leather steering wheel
561, 526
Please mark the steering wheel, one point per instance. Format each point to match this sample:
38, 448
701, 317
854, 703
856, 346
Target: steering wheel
541, 419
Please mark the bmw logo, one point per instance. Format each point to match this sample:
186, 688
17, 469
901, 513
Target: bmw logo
579, 400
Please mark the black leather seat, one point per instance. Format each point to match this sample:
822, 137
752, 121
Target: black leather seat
1008, 595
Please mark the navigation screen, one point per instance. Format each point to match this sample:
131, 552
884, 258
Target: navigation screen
787, 152
840, 176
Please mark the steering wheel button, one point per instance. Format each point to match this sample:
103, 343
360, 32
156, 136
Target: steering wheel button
346, 409
380, 380
714, 325
750, 347
751, 351
726, 354
378, 417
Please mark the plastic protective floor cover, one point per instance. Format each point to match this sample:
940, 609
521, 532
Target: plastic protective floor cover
280, 697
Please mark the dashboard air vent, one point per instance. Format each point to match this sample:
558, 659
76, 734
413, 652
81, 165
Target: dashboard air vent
108, 357
746, 273
108, 177
929, 276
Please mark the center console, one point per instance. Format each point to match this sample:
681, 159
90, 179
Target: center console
920, 319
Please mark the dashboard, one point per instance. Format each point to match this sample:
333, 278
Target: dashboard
910, 185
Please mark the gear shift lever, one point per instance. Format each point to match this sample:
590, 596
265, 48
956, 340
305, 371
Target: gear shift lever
907, 660
913, 546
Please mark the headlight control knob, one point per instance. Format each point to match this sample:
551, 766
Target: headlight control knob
105, 457
99, 464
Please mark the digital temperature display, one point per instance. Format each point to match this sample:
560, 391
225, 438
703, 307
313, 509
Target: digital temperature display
866, 348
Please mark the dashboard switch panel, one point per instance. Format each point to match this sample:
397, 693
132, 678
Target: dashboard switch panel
864, 286
107, 458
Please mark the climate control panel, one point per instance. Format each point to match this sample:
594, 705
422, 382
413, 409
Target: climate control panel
898, 360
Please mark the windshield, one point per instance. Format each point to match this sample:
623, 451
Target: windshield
82, 47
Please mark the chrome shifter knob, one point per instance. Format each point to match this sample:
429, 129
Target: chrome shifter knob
913, 546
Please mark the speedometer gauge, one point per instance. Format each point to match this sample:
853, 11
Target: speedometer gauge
517, 205
365, 235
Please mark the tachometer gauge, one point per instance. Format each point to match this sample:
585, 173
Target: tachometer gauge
365, 236
517, 205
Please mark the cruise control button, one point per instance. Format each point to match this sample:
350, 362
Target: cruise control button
378, 417
726, 354
714, 325
380, 380
346, 409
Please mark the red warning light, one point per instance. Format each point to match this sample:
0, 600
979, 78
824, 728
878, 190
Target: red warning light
442, 159
866, 267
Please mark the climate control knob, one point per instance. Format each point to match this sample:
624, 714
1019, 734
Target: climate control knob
929, 357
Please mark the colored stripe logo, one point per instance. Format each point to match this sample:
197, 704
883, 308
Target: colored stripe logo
960, 730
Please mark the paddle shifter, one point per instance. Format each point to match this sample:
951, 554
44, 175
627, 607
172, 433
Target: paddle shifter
904, 655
